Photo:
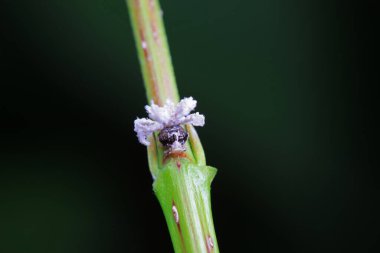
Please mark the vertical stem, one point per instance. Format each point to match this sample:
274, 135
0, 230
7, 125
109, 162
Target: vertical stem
158, 74
184, 195
153, 50
181, 184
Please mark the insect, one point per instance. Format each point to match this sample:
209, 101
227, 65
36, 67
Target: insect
168, 120
170, 135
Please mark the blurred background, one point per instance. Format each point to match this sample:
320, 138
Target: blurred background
284, 86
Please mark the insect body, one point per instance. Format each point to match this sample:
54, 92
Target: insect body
169, 135
168, 120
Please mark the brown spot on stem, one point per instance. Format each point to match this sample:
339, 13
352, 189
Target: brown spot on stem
178, 164
174, 155
176, 219
175, 214
210, 244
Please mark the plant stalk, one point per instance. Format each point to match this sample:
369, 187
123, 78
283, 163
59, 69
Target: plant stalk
181, 183
153, 51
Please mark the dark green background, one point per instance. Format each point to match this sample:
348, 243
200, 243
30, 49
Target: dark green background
283, 85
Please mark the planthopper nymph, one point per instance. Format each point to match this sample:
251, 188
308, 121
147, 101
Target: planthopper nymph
169, 120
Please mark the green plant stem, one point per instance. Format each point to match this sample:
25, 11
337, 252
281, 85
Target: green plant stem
153, 50
184, 195
182, 183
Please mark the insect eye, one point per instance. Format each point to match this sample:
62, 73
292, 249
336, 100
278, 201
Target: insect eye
169, 135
